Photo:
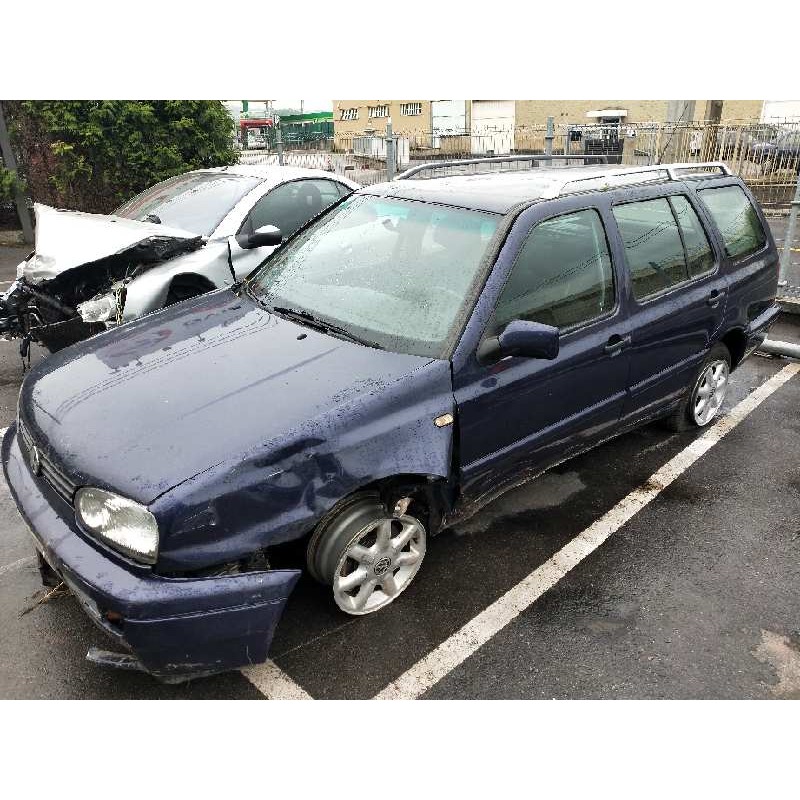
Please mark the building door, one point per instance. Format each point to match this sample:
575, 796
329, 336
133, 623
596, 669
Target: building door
492, 126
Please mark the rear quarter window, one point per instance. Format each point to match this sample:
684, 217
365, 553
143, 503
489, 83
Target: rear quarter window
736, 219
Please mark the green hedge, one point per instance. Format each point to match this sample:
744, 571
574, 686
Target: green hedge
93, 155
6, 184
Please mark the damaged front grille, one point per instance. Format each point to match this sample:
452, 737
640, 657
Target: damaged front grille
42, 466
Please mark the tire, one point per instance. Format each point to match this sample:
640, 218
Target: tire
710, 385
366, 555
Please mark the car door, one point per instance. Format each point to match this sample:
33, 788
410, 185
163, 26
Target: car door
517, 415
677, 295
288, 206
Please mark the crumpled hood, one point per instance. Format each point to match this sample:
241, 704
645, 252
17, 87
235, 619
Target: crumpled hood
69, 239
144, 407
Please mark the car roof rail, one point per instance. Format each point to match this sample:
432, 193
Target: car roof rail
463, 162
627, 176
612, 178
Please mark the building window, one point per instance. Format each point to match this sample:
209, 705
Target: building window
378, 111
349, 113
410, 109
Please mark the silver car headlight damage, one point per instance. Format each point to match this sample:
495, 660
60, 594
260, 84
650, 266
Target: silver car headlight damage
104, 308
123, 524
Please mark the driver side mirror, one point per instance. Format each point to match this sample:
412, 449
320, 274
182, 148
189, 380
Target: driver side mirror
521, 338
265, 236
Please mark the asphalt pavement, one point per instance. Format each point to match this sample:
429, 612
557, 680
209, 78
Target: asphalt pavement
695, 596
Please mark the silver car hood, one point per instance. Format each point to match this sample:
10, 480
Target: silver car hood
69, 239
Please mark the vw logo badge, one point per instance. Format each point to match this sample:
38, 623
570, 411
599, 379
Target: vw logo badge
381, 565
36, 460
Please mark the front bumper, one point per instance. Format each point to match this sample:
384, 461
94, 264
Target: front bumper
174, 626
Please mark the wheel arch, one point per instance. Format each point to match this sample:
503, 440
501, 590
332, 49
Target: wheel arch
148, 291
430, 496
736, 342
193, 279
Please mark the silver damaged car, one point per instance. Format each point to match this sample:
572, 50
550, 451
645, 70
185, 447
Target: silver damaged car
187, 235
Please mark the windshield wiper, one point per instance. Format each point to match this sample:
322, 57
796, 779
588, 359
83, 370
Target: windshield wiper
308, 319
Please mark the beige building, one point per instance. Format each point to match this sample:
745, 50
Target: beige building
536, 112
353, 117
503, 126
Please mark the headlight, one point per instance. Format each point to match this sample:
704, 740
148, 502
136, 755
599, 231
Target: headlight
100, 309
125, 525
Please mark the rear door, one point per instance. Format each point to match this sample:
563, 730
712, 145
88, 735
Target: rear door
750, 254
677, 294
518, 415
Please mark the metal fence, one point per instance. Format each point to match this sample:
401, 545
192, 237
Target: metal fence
765, 155
362, 170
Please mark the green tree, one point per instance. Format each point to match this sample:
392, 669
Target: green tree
93, 155
7, 183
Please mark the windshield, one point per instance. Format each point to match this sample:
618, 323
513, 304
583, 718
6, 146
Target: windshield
195, 202
393, 273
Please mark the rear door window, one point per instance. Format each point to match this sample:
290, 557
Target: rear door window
736, 219
653, 246
562, 276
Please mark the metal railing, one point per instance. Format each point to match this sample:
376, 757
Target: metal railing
765, 154
532, 160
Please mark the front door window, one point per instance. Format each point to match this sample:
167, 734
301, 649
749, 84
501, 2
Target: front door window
562, 276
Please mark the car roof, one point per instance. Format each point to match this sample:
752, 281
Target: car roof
501, 190
274, 174
496, 192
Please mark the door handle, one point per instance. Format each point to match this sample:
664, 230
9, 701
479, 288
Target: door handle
616, 344
714, 298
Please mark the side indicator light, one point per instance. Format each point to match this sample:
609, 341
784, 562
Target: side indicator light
445, 419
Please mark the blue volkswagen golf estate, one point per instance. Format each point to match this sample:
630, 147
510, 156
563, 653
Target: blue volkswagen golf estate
424, 346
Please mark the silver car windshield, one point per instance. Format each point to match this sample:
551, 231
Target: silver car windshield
195, 202
396, 274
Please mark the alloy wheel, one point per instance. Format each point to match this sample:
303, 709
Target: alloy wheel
378, 564
710, 391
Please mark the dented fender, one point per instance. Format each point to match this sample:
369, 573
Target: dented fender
148, 291
278, 491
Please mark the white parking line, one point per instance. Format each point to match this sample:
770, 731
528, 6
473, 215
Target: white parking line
274, 683
466, 641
